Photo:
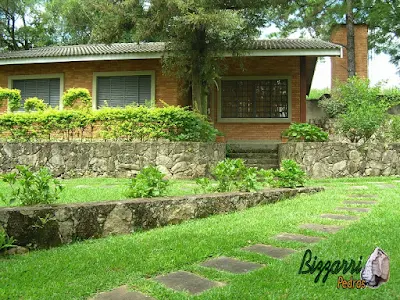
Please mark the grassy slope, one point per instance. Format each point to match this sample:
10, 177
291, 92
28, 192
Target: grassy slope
103, 189
80, 270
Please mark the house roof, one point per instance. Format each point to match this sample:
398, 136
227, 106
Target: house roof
271, 47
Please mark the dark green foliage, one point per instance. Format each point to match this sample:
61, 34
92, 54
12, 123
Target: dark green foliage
5, 241
332, 107
290, 175
119, 124
30, 188
305, 132
148, 183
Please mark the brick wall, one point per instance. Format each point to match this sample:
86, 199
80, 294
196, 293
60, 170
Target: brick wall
339, 65
80, 74
260, 66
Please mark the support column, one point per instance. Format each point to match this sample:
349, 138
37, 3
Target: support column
303, 89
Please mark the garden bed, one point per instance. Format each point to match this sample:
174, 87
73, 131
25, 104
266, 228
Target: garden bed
47, 226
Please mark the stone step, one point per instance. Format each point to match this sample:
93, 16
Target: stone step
264, 166
122, 293
261, 161
339, 217
292, 237
322, 228
231, 265
247, 155
274, 252
355, 209
252, 148
183, 281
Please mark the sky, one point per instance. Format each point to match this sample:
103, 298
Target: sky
379, 68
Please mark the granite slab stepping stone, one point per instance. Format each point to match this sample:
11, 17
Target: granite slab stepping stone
362, 196
360, 202
122, 293
322, 228
358, 187
231, 265
269, 250
339, 217
187, 282
386, 186
356, 209
298, 238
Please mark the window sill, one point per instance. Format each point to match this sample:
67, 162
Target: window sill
255, 120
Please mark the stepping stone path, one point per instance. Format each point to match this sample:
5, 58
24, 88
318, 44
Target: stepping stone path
298, 238
272, 251
386, 186
322, 228
187, 282
362, 196
122, 293
358, 187
360, 202
231, 265
339, 217
357, 209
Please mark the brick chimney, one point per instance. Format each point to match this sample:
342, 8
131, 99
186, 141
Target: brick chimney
339, 65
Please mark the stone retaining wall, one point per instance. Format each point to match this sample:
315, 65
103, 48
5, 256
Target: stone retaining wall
322, 160
113, 159
47, 226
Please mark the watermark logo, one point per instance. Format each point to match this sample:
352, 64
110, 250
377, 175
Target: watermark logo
373, 274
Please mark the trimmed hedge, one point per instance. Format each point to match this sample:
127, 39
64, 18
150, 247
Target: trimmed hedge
118, 124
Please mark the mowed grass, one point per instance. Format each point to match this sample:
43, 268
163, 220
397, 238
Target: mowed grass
81, 270
107, 189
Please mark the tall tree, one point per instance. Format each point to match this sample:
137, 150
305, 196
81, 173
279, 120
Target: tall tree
198, 34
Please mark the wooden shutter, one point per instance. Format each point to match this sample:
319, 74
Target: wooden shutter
46, 89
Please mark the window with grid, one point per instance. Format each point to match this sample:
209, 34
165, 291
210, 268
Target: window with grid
267, 98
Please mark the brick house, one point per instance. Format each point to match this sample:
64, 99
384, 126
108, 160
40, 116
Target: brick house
257, 97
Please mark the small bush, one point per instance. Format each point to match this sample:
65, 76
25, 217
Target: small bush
305, 132
13, 96
148, 183
35, 104
5, 241
230, 175
394, 128
290, 175
30, 188
332, 107
71, 96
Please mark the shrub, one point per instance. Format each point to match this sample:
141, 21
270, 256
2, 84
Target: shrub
34, 103
365, 111
148, 183
332, 107
394, 128
13, 96
5, 241
290, 175
232, 174
30, 188
305, 132
71, 96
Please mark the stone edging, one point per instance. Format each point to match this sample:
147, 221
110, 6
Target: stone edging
48, 226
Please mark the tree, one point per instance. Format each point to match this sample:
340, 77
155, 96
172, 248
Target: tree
20, 24
197, 34
318, 18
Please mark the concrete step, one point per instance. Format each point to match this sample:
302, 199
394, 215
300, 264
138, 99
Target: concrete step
261, 161
264, 166
252, 148
246, 155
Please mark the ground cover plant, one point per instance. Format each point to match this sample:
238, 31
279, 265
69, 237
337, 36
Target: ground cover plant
99, 265
305, 132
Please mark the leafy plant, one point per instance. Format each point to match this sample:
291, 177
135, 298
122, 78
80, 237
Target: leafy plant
290, 175
13, 96
305, 132
34, 103
30, 188
71, 96
230, 175
148, 182
5, 241
332, 107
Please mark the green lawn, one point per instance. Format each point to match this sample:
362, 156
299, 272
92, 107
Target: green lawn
104, 189
82, 269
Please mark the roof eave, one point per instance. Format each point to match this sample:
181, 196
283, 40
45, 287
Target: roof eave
157, 55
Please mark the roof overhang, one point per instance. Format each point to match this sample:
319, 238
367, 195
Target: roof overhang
158, 55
